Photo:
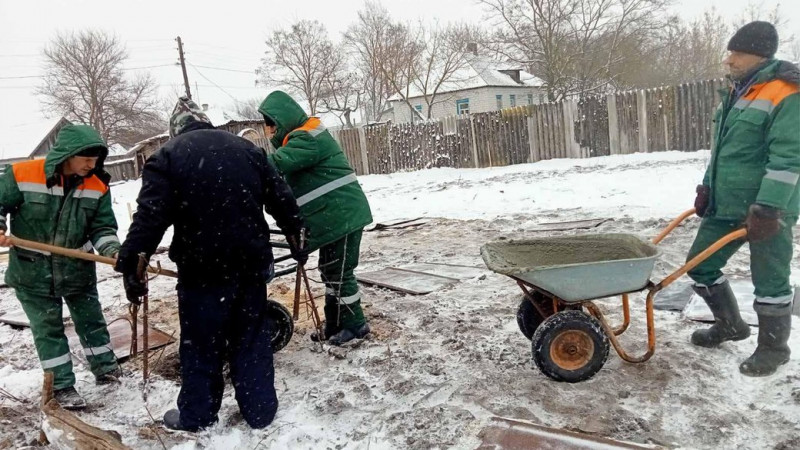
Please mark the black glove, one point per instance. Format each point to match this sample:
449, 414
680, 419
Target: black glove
132, 280
135, 288
763, 222
298, 247
702, 199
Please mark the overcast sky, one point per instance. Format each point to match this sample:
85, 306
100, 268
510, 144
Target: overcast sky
217, 35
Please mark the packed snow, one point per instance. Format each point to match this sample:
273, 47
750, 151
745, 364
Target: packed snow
438, 366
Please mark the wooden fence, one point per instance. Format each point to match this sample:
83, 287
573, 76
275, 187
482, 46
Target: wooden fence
651, 120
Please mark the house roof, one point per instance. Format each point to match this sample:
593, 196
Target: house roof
477, 73
20, 141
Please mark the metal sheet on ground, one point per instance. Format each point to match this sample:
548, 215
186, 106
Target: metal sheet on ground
509, 434
697, 309
445, 270
397, 224
19, 319
405, 281
120, 332
572, 225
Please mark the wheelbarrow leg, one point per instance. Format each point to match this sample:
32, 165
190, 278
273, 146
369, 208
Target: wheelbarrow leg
626, 316
612, 336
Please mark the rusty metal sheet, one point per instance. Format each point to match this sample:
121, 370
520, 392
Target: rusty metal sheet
509, 434
406, 281
120, 331
572, 225
445, 270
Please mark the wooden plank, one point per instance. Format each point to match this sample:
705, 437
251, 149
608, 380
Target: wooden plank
613, 125
362, 146
511, 434
405, 281
532, 144
641, 109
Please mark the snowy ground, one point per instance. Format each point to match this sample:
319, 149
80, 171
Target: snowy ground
438, 366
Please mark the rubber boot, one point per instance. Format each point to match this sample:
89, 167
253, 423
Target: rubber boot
69, 399
172, 420
774, 327
348, 334
728, 325
113, 376
332, 325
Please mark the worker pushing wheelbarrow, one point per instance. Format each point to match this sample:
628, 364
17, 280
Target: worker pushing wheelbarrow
561, 276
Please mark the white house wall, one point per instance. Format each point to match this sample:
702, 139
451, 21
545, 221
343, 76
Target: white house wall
480, 100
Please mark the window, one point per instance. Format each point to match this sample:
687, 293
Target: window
530, 99
512, 100
499, 101
542, 97
417, 108
462, 106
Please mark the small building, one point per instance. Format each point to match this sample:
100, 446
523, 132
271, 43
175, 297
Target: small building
481, 85
30, 141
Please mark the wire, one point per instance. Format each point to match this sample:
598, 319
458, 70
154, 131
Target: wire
125, 68
21, 77
215, 84
251, 72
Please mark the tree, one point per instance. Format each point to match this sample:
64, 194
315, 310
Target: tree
300, 59
84, 81
578, 47
444, 54
341, 94
774, 15
371, 44
249, 109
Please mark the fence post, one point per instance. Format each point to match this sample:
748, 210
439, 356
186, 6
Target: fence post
613, 125
362, 143
532, 136
474, 143
641, 110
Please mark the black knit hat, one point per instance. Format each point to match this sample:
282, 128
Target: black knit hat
756, 38
92, 152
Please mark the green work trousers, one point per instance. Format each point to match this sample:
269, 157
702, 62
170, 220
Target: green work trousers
770, 260
47, 325
337, 262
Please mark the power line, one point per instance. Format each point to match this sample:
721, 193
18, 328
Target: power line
215, 84
251, 72
125, 68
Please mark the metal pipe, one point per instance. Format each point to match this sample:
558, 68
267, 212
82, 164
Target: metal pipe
672, 225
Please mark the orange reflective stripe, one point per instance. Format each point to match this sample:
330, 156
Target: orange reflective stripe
30, 171
774, 91
94, 184
310, 124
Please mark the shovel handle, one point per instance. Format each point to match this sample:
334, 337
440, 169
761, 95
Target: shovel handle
77, 254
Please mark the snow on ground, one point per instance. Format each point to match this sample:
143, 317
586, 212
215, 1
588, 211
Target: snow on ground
439, 366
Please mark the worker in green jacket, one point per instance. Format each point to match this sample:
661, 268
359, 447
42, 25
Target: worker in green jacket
752, 181
333, 205
62, 200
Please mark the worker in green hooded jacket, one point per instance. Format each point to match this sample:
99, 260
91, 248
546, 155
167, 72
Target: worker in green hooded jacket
332, 203
752, 181
62, 200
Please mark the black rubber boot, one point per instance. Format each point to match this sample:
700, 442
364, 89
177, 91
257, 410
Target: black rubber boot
110, 377
69, 399
348, 334
172, 420
332, 325
728, 325
774, 327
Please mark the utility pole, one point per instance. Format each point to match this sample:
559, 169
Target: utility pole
183, 67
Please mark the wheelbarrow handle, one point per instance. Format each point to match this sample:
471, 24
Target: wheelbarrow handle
672, 225
702, 256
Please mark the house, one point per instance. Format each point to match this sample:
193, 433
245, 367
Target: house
481, 85
29, 141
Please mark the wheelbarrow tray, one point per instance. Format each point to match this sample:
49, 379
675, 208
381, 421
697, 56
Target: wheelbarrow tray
576, 268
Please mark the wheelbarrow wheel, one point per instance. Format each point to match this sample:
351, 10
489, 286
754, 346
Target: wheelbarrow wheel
570, 346
528, 316
282, 325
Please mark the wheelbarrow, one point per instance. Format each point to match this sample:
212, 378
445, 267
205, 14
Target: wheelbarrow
560, 277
